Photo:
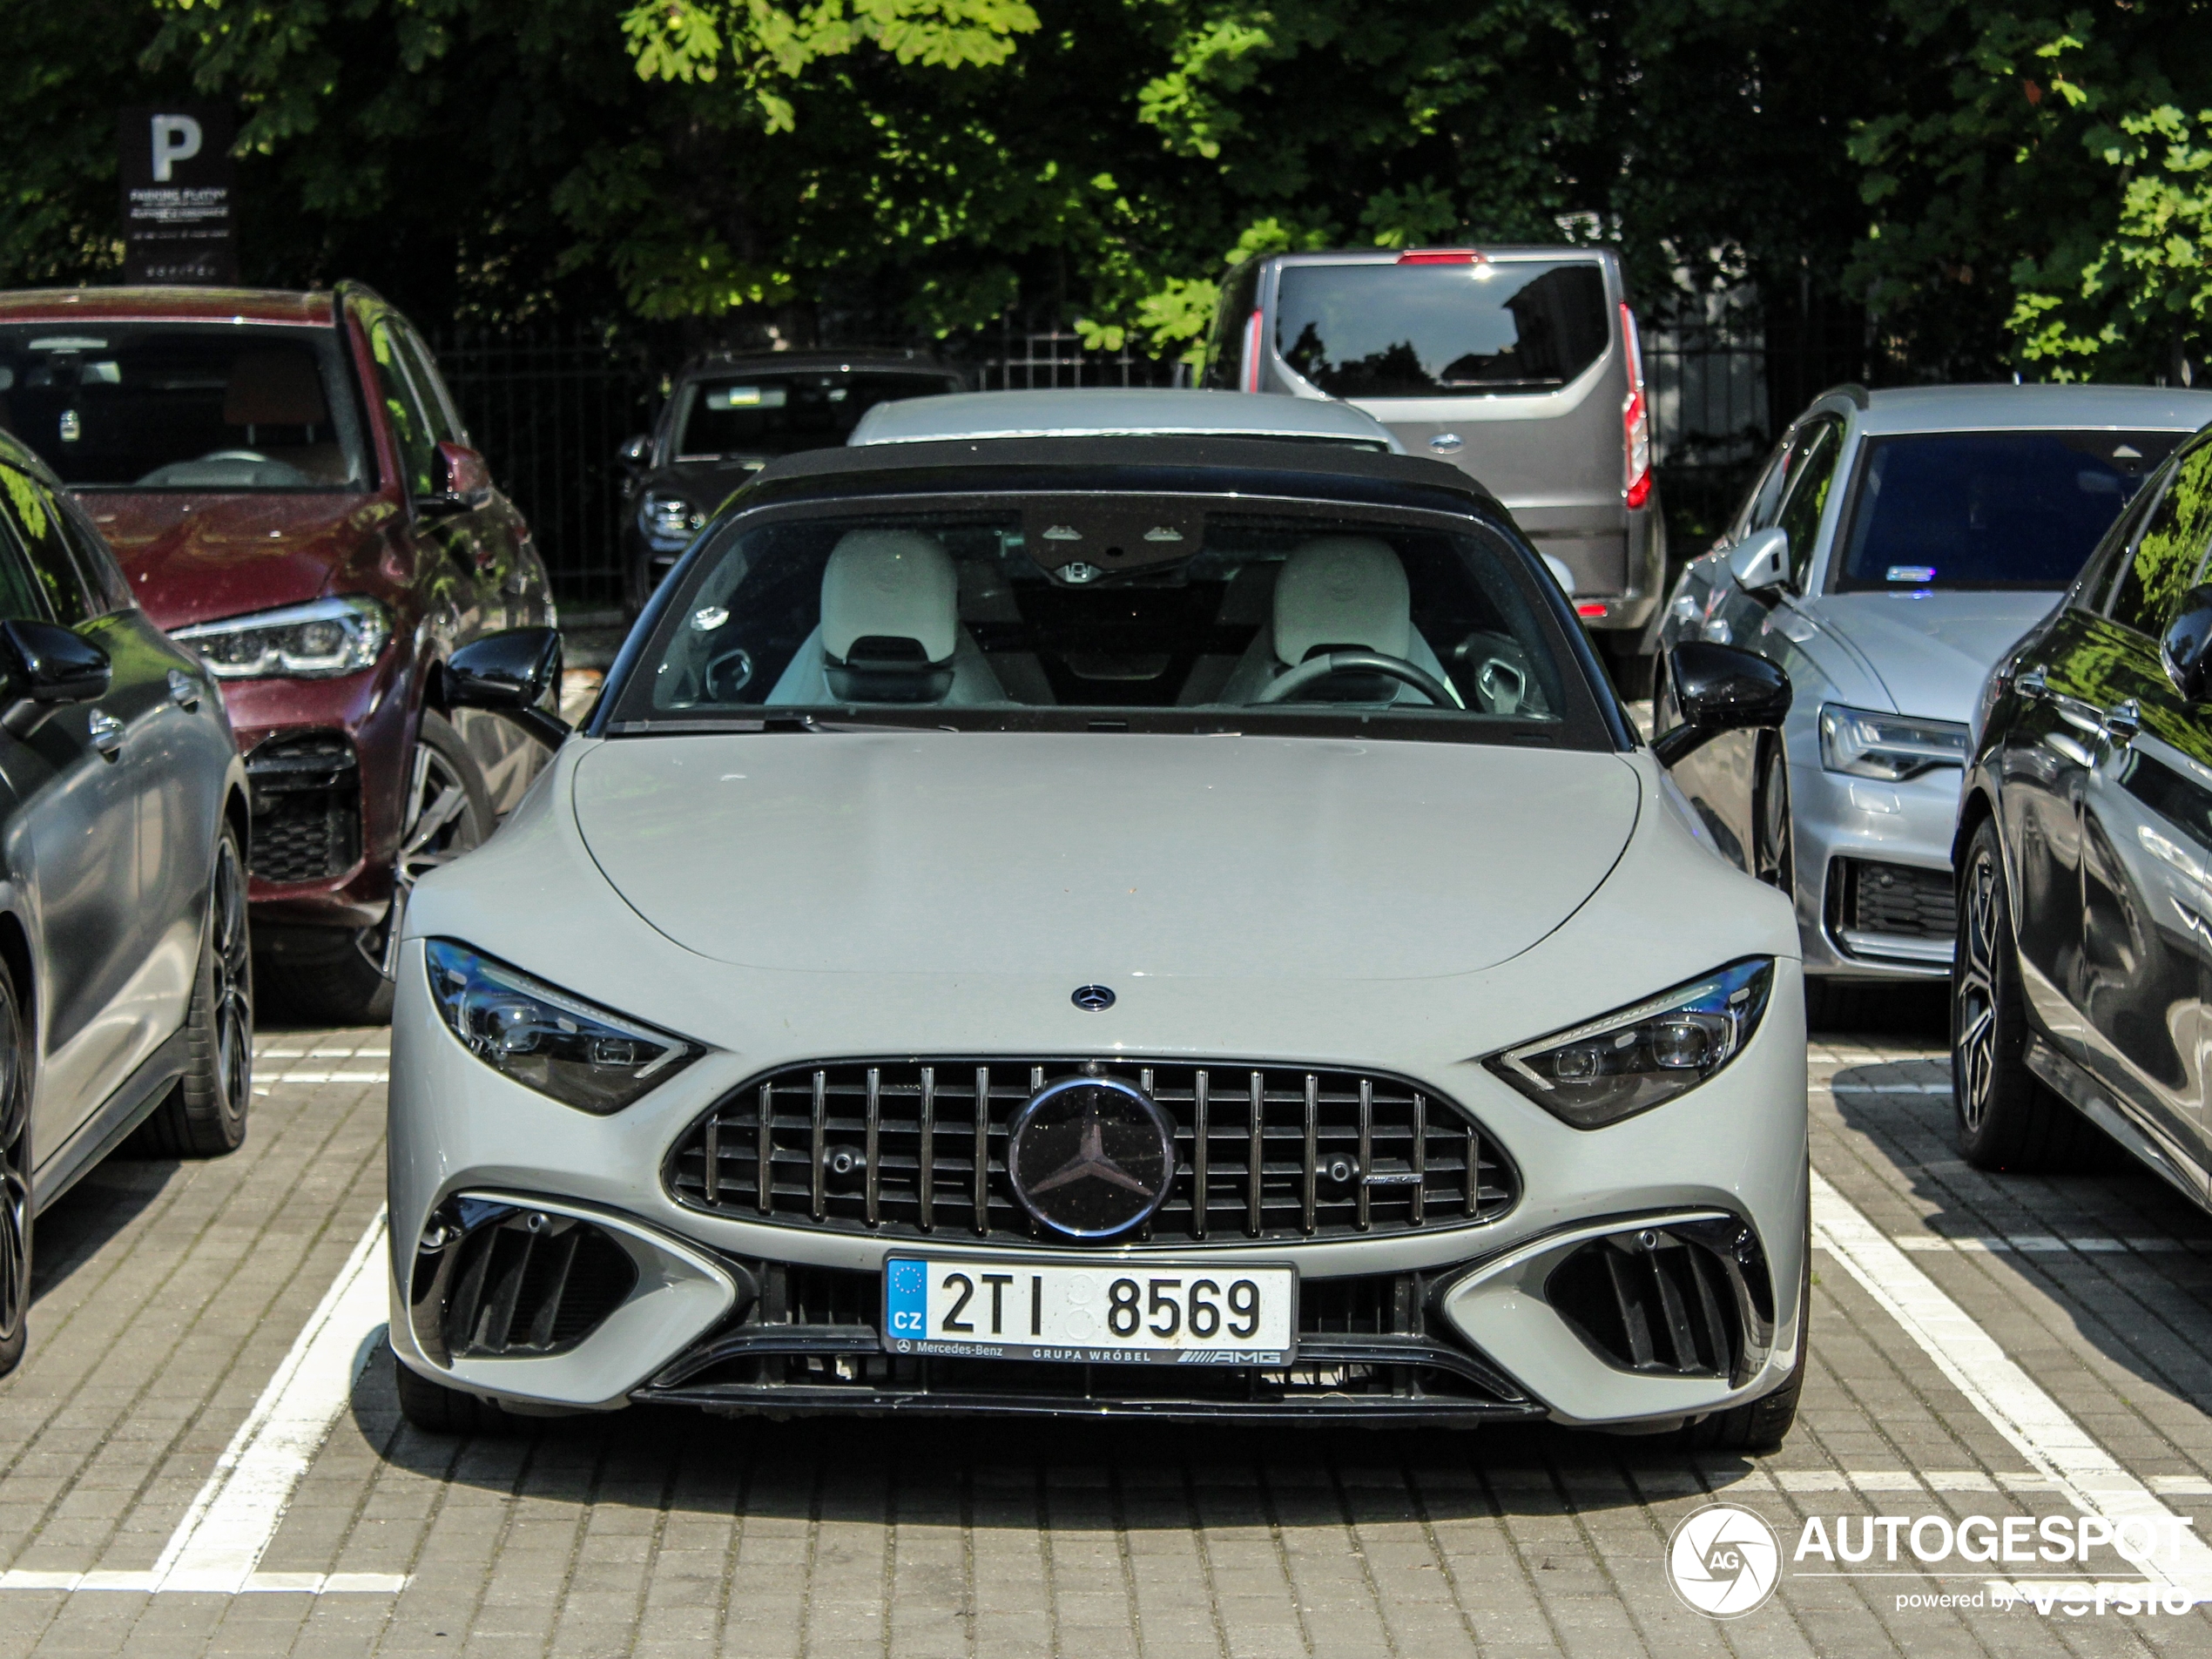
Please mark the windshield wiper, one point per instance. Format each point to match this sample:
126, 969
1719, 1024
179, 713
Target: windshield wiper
792, 720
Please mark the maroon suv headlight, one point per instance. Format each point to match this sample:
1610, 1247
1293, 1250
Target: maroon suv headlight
319, 640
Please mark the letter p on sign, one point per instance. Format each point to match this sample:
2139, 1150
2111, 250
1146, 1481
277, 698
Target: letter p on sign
176, 137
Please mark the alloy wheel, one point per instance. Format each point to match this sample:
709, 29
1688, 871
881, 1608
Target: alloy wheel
15, 1172
1771, 854
1974, 1013
440, 826
233, 1001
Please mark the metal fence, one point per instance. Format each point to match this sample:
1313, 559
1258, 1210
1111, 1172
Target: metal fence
1014, 361
549, 408
1721, 390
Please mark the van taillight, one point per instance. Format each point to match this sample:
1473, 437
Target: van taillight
1439, 256
1635, 421
1252, 354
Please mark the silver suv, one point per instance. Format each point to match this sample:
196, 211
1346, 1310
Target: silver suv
1518, 365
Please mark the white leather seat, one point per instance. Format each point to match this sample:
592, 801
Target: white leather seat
890, 629
1335, 593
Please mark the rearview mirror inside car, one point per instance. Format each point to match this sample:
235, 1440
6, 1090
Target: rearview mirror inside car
1561, 573
510, 674
2187, 648
1760, 562
1716, 689
48, 668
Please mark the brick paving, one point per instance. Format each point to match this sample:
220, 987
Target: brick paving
168, 1294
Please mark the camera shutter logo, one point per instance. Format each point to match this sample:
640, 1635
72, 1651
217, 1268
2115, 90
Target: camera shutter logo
1724, 1560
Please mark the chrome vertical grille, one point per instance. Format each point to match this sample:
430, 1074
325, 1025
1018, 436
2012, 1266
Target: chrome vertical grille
909, 1148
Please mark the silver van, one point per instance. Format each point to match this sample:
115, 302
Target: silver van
1521, 366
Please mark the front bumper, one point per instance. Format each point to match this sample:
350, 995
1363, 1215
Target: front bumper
1456, 1323
366, 715
1848, 833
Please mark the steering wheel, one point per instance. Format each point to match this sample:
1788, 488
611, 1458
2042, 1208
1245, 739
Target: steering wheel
1314, 670
233, 455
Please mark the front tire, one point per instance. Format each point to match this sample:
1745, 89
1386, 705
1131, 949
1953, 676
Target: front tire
16, 1068
204, 1115
1763, 1424
2004, 1118
448, 812
436, 1409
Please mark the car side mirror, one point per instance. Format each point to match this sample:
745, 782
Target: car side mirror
636, 453
463, 481
509, 674
1561, 573
49, 668
1760, 562
1716, 689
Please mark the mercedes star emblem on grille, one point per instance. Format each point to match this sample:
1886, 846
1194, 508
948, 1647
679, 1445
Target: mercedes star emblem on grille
1092, 999
1090, 1156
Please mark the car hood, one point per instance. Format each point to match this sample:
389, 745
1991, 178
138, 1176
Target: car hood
195, 558
1931, 652
1102, 857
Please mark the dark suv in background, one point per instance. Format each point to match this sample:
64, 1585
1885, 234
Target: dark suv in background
1521, 366
728, 416
291, 493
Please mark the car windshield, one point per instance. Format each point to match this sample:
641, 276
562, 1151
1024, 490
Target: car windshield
1437, 330
206, 406
1988, 509
1100, 611
765, 415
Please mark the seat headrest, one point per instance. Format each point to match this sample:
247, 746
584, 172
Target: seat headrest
1346, 590
275, 388
890, 585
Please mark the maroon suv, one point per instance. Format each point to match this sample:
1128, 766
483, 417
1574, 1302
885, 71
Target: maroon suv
290, 490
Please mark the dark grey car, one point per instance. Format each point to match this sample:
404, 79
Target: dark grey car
728, 416
1521, 366
125, 987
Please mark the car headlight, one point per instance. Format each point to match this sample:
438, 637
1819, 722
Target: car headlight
1892, 747
1628, 1063
545, 1039
319, 640
669, 518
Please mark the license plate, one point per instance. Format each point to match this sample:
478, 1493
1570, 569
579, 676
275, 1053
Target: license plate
1090, 1313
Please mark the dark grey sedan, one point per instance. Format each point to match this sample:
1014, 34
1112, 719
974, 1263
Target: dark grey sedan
728, 416
127, 999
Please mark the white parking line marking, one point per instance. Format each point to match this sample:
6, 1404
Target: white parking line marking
218, 1544
256, 1583
2035, 1244
1885, 1088
2016, 1406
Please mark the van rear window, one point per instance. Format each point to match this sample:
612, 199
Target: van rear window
1437, 330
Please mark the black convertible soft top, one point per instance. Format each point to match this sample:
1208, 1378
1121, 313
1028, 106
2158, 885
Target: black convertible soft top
1264, 467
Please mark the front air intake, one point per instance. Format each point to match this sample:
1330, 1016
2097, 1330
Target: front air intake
1691, 1299
495, 1280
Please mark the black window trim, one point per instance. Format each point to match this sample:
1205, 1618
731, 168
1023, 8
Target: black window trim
12, 547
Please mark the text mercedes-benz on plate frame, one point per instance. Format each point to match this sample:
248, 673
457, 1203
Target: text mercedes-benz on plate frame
1090, 1312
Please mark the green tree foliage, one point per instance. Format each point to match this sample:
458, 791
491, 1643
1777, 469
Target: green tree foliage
1996, 185
2039, 187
